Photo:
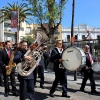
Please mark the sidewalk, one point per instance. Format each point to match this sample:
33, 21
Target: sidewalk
73, 89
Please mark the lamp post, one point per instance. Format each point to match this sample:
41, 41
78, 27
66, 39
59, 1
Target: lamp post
72, 28
17, 41
72, 24
17, 33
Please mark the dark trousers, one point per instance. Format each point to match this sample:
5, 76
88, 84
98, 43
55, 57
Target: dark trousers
41, 71
26, 86
88, 74
1, 79
46, 62
12, 80
60, 76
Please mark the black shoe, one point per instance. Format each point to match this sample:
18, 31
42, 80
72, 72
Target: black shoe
6, 94
41, 86
16, 94
1, 84
51, 95
65, 95
94, 91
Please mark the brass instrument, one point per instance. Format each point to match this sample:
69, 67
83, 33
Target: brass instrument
25, 68
11, 64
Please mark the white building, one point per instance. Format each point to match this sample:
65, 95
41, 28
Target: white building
80, 32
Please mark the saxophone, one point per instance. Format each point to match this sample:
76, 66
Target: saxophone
11, 64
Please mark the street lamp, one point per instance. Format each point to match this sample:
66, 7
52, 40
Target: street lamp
72, 24
72, 36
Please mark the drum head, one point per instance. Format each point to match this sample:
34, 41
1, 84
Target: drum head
96, 66
72, 58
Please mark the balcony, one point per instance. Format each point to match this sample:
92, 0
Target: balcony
8, 30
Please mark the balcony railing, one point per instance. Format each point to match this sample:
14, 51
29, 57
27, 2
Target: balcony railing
7, 29
81, 44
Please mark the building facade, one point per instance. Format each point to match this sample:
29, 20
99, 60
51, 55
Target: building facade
80, 32
25, 30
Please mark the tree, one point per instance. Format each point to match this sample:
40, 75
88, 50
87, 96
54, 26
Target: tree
23, 13
29, 39
47, 12
23, 9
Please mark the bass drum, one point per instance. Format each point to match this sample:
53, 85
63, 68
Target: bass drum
73, 57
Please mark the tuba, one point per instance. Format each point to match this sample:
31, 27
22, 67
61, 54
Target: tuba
25, 68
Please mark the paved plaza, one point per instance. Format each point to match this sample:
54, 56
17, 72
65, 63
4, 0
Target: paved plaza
73, 89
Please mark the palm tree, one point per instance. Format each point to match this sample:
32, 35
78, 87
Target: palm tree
23, 12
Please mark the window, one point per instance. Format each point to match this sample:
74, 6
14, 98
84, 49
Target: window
68, 37
76, 38
38, 28
9, 38
83, 37
5, 38
28, 30
21, 28
98, 36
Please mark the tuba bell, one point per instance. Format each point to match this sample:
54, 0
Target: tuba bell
25, 68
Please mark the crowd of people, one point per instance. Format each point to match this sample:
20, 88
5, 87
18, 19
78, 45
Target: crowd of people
28, 83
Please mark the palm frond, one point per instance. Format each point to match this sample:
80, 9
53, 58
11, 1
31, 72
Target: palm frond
24, 12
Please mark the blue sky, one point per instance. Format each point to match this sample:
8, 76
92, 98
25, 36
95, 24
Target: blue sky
86, 12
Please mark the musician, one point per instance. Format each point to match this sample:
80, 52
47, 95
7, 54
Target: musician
1, 77
26, 82
46, 55
1, 72
4, 60
88, 72
40, 69
60, 71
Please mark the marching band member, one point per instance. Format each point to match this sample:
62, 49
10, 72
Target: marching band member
40, 68
26, 82
46, 55
4, 60
60, 71
88, 72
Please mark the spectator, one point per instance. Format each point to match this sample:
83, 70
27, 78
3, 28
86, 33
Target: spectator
90, 40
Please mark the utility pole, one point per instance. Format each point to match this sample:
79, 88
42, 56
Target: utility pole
72, 36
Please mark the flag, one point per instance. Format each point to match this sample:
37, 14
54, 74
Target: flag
14, 20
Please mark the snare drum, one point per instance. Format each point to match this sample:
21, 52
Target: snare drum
73, 57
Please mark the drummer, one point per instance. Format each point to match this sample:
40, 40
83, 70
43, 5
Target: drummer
88, 72
60, 71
